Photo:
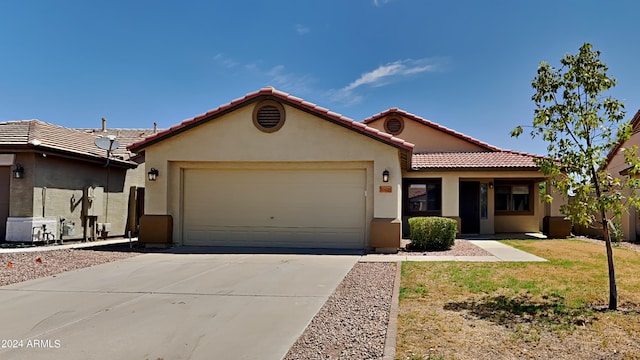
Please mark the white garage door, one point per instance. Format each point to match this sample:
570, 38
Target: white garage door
274, 208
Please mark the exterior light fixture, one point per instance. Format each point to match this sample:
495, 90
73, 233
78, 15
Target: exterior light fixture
153, 174
491, 185
18, 172
385, 176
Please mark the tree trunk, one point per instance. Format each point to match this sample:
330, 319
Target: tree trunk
613, 289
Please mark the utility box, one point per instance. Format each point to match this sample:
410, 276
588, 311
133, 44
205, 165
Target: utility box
156, 230
556, 227
385, 234
69, 228
92, 201
104, 229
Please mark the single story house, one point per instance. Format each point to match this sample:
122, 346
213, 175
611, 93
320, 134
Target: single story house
270, 169
57, 177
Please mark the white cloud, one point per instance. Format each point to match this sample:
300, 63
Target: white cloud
276, 76
344, 97
385, 74
301, 29
288, 81
375, 77
225, 61
381, 2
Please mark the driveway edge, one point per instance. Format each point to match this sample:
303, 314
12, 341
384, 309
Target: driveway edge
389, 352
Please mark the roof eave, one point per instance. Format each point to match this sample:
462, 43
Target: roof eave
264, 94
68, 154
478, 169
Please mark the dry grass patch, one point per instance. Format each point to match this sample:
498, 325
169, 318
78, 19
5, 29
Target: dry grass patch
556, 309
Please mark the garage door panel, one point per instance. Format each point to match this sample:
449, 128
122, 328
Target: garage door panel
275, 237
298, 208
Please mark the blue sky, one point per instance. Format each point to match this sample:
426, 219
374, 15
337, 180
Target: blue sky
467, 65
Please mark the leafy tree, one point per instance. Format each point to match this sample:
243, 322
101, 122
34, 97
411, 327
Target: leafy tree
581, 126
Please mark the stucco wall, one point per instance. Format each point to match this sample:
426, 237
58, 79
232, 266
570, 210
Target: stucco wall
428, 139
305, 140
60, 182
617, 164
21, 195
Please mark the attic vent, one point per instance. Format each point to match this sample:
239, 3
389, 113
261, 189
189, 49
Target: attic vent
393, 126
268, 116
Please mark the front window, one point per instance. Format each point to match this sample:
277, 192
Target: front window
514, 198
423, 197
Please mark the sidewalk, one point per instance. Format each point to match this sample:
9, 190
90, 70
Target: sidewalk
70, 245
499, 252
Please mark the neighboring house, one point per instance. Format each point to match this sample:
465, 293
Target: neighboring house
271, 169
50, 173
616, 165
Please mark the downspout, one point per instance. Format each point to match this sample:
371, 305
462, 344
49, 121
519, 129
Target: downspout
44, 199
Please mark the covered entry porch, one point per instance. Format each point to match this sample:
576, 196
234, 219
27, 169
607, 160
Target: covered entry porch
480, 205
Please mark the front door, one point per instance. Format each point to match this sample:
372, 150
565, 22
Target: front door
470, 207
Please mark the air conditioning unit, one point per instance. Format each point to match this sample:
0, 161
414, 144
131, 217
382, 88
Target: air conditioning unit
32, 229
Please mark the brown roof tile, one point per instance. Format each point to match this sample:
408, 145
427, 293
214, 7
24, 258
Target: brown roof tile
286, 98
125, 137
475, 160
39, 135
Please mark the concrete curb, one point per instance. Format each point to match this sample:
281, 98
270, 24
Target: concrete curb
70, 245
389, 352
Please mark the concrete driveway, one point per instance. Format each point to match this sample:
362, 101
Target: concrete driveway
170, 306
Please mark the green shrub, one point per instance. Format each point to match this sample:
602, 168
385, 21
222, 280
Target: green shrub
432, 233
615, 231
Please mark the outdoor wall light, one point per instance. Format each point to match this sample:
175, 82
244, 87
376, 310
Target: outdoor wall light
491, 185
18, 172
153, 174
385, 176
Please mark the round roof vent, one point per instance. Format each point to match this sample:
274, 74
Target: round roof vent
393, 125
268, 116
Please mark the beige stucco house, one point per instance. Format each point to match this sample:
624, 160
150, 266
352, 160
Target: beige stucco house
270, 169
616, 166
55, 176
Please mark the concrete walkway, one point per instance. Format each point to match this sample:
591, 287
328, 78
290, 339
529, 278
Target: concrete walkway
68, 245
499, 252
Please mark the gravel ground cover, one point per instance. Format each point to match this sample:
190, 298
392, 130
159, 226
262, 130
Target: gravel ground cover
23, 266
622, 244
459, 248
352, 324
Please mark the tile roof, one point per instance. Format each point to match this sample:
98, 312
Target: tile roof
125, 137
293, 101
432, 125
474, 160
39, 135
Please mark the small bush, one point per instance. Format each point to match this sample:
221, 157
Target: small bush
615, 231
432, 233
